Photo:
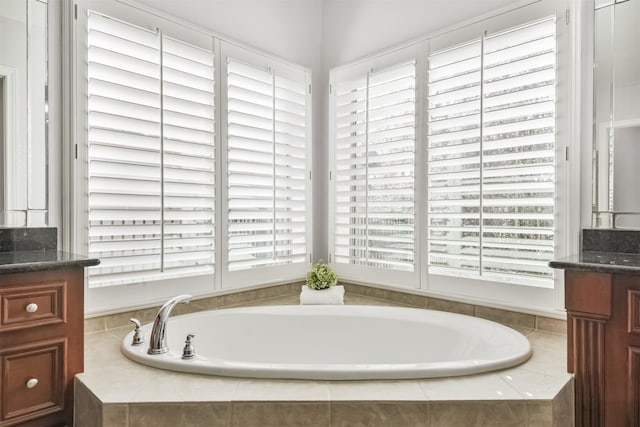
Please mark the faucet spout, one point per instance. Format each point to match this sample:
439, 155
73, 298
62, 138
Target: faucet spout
158, 341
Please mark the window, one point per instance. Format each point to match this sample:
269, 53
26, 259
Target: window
267, 125
444, 163
374, 165
491, 156
195, 174
150, 155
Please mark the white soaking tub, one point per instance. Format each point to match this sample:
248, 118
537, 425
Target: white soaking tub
335, 343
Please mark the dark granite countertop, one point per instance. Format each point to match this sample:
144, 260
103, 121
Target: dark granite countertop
601, 262
27, 261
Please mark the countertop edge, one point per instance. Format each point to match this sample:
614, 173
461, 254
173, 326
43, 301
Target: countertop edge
600, 262
29, 262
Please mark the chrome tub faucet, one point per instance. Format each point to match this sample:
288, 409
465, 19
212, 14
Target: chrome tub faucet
158, 340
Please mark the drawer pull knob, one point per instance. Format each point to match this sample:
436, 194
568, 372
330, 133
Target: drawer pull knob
32, 308
32, 383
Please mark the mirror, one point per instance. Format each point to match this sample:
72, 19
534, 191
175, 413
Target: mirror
23, 113
616, 150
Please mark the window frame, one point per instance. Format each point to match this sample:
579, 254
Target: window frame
109, 299
366, 274
493, 293
535, 299
277, 273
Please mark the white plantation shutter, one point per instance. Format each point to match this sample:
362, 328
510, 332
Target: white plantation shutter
374, 168
519, 152
453, 153
491, 161
250, 165
189, 158
267, 166
290, 170
150, 155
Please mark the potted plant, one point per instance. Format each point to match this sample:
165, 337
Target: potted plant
321, 276
321, 286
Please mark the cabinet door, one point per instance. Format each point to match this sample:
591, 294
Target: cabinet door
33, 304
32, 381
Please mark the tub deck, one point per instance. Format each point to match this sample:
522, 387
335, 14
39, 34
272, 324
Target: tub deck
116, 392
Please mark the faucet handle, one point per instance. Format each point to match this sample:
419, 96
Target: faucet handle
138, 337
189, 352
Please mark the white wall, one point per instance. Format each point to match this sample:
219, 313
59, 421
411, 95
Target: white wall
290, 29
354, 28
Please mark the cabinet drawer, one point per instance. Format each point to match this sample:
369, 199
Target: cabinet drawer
32, 381
633, 304
34, 304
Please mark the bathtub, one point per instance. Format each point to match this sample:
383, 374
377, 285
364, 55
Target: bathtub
335, 343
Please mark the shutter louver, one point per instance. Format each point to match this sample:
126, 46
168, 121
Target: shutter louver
491, 173
267, 167
135, 239
374, 169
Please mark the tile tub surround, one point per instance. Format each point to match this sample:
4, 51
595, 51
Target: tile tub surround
521, 321
115, 391
354, 294
234, 299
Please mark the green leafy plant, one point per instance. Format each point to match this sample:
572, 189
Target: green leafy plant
321, 276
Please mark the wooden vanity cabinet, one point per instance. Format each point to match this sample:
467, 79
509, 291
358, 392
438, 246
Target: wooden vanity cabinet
41, 346
603, 326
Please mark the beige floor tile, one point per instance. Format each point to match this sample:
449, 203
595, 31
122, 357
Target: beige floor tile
282, 300
155, 385
506, 317
353, 299
122, 319
277, 390
111, 384
523, 330
87, 409
121, 332
564, 407
548, 324
182, 414
534, 385
115, 415
95, 324
478, 414
100, 347
290, 414
450, 306
407, 390
472, 387
540, 414
549, 354
374, 414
